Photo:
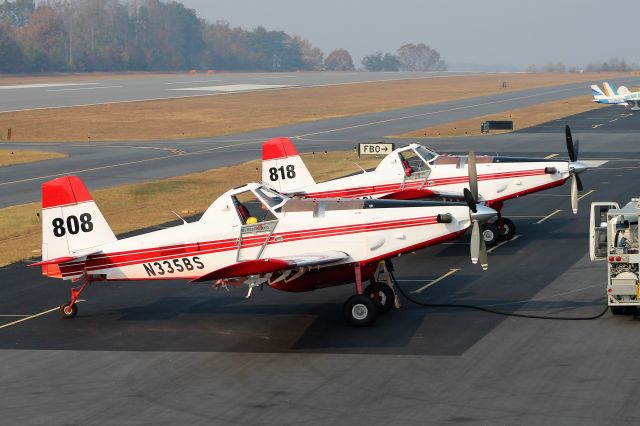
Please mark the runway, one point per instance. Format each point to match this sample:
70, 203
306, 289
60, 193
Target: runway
21, 97
102, 165
168, 352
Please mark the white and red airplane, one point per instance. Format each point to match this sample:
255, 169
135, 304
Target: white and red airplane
415, 172
254, 235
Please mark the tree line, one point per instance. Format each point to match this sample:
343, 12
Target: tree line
156, 35
142, 35
613, 64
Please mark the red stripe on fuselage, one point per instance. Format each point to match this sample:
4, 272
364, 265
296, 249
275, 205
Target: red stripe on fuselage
428, 185
127, 258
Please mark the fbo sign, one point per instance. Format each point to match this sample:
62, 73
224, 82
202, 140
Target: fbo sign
379, 148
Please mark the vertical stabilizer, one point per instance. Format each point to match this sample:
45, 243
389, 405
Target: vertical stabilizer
282, 166
72, 223
609, 90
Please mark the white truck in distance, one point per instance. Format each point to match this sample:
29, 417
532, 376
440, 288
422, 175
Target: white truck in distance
613, 237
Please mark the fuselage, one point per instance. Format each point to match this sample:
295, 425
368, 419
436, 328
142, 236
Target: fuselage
499, 178
367, 230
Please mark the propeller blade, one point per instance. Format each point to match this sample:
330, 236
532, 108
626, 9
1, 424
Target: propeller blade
576, 149
569, 139
473, 175
475, 242
471, 202
484, 262
580, 187
574, 193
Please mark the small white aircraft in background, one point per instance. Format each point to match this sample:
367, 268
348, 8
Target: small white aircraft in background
254, 235
622, 96
415, 172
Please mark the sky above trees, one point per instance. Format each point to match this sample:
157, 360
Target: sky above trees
463, 31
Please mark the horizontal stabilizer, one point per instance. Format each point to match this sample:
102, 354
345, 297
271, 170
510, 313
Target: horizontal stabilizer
265, 266
56, 261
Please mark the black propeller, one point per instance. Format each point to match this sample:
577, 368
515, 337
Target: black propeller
573, 149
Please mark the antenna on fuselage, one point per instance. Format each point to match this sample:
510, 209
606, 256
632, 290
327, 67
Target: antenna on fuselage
184, 222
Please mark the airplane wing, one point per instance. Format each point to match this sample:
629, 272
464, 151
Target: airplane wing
274, 264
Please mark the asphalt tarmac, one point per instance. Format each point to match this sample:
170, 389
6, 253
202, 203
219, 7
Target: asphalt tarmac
102, 165
167, 353
58, 93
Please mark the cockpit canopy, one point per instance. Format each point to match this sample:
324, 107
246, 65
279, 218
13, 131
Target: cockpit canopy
416, 160
247, 204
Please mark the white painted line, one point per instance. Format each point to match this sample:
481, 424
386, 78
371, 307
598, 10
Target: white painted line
595, 126
43, 85
585, 194
551, 155
194, 81
83, 88
611, 121
30, 317
548, 216
436, 281
235, 87
515, 237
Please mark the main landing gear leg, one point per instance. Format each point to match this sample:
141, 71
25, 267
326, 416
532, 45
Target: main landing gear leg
359, 309
70, 309
505, 227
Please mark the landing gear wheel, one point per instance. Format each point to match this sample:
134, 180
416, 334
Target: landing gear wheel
386, 297
68, 311
617, 310
490, 233
507, 228
359, 310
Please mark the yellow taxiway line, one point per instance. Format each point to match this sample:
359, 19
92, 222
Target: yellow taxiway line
436, 281
30, 317
547, 217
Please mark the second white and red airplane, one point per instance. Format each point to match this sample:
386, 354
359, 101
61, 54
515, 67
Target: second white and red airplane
414, 172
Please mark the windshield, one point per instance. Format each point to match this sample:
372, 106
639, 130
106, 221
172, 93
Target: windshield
425, 153
270, 197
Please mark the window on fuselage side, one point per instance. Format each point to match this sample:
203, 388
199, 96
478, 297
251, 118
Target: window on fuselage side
249, 206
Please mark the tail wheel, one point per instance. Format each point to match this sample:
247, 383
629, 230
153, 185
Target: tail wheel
359, 310
507, 228
68, 311
490, 233
386, 297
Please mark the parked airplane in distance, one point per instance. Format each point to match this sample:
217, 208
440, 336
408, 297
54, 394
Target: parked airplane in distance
623, 96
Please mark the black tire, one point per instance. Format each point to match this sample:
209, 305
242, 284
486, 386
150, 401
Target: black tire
490, 233
387, 297
507, 228
359, 310
68, 311
618, 310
